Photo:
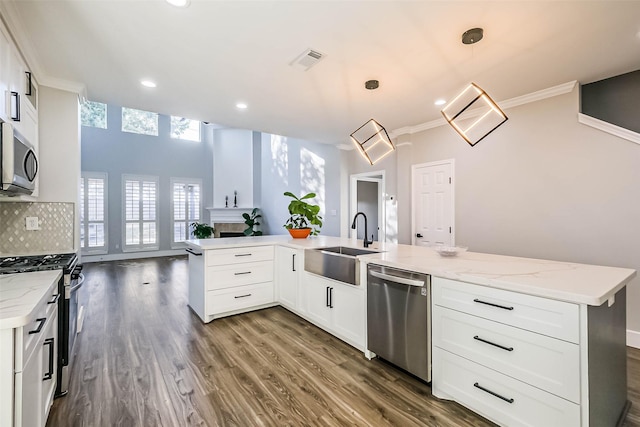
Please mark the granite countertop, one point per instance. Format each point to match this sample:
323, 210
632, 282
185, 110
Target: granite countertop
21, 293
563, 281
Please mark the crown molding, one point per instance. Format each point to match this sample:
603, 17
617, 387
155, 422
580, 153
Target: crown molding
509, 103
66, 85
609, 128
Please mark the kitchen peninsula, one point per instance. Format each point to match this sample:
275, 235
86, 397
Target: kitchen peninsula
566, 321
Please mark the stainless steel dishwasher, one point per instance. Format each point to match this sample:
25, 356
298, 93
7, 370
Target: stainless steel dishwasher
399, 318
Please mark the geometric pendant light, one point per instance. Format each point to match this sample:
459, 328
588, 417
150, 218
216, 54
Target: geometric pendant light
473, 114
373, 141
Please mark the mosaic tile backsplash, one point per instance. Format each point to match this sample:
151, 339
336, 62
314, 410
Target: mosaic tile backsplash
56, 221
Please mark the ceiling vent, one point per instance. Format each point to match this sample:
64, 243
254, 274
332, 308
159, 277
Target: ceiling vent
307, 59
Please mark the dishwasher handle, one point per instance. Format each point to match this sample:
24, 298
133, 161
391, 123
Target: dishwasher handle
397, 279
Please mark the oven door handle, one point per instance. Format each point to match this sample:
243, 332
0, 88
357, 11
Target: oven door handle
80, 282
396, 279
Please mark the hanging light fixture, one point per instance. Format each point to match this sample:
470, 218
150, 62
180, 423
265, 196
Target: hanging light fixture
473, 114
372, 141
371, 138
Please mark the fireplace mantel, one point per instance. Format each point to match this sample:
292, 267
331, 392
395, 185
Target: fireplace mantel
229, 215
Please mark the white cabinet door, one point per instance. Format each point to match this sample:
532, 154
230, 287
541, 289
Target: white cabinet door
197, 292
5, 72
288, 267
49, 364
29, 392
349, 313
316, 299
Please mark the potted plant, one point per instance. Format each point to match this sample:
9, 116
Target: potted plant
252, 221
201, 230
304, 219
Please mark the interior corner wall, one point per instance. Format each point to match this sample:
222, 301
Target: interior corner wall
545, 186
233, 167
301, 167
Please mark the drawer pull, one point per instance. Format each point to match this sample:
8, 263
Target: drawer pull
492, 343
55, 299
241, 273
41, 322
193, 252
242, 296
49, 374
504, 307
243, 254
493, 393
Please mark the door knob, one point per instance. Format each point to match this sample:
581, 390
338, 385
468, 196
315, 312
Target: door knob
418, 235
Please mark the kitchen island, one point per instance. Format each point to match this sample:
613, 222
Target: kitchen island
560, 327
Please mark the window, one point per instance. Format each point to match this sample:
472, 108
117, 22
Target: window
138, 121
185, 207
93, 213
140, 202
94, 114
185, 129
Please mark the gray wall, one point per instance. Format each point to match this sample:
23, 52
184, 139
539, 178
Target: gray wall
300, 167
544, 186
116, 153
367, 203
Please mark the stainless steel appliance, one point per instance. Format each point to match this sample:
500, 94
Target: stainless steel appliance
18, 162
68, 287
399, 318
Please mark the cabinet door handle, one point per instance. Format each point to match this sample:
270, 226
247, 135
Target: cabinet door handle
327, 297
41, 322
293, 262
49, 374
504, 307
237, 255
493, 393
15, 106
492, 343
241, 273
242, 296
330, 297
192, 252
55, 299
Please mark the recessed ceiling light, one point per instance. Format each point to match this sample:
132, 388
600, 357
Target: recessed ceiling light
179, 3
241, 106
440, 102
147, 83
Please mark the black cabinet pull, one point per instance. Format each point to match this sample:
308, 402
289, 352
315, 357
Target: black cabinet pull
492, 343
242, 255
241, 273
330, 297
41, 322
293, 262
55, 299
493, 393
242, 296
49, 374
327, 297
15, 106
418, 235
192, 252
504, 307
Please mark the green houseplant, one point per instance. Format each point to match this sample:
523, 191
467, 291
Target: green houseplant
252, 221
201, 230
304, 216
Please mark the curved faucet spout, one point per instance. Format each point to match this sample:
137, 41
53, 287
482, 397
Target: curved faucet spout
353, 226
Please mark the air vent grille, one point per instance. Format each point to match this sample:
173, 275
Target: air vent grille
307, 59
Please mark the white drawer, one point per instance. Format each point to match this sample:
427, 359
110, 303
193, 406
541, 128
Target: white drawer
519, 404
549, 317
229, 276
239, 298
26, 337
547, 363
238, 255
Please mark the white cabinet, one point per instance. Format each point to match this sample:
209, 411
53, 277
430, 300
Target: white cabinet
289, 262
337, 307
223, 282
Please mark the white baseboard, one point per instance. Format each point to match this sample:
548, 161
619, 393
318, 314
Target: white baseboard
633, 338
131, 255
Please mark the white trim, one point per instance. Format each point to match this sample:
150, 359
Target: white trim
132, 255
184, 181
633, 338
452, 163
382, 211
609, 128
509, 103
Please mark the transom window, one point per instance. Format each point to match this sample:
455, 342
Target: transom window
182, 128
94, 114
140, 194
139, 121
93, 213
185, 207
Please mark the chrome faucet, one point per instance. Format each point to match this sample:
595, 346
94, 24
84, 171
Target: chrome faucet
353, 226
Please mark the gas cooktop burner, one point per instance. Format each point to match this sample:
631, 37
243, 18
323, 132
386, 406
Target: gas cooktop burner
23, 264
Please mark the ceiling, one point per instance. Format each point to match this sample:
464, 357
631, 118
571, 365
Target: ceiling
213, 54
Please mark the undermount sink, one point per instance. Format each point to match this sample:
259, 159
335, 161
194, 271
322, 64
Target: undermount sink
336, 262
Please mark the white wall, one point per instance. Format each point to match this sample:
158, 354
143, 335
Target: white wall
541, 186
232, 167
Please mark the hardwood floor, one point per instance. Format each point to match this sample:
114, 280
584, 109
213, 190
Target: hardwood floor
144, 359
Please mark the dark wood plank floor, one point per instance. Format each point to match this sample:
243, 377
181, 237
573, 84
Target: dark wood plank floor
144, 359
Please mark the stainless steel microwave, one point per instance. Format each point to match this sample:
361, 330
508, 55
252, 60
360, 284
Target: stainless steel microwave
18, 163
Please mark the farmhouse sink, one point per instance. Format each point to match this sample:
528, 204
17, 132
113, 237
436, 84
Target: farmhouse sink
336, 262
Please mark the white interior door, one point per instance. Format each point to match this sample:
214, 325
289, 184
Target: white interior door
433, 204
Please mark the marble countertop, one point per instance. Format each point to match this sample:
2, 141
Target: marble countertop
564, 281
21, 293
